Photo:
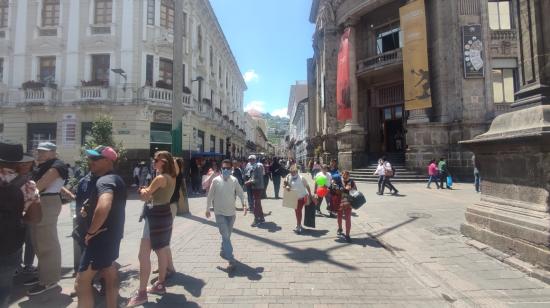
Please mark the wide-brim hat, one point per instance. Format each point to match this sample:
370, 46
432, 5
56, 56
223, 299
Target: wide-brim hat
13, 153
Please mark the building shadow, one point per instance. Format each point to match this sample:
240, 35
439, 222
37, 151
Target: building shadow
125, 277
189, 283
243, 270
293, 252
19, 291
270, 226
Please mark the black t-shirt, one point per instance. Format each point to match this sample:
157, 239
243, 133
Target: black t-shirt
112, 183
56, 164
176, 195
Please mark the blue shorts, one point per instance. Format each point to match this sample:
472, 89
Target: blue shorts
101, 252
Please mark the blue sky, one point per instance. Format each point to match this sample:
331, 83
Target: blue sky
271, 41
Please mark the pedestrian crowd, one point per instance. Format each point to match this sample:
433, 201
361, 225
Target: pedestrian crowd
32, 188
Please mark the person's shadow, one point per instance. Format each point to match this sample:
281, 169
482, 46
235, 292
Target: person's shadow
243, 270
171, 300
314, 232
191, 284
50, 298
270, 227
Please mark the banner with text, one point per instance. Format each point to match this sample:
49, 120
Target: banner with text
416, 75
343, 101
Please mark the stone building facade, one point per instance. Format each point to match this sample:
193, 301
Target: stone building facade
463, 100
298, 129
63, 63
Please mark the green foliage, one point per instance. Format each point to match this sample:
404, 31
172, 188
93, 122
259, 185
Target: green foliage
101, 134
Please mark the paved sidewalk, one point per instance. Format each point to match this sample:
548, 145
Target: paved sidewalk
406, 252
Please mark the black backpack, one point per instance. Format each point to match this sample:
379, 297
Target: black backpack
12, 228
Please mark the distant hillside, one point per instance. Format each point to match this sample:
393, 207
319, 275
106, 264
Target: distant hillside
277, 126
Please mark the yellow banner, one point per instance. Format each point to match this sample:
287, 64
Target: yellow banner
416, 73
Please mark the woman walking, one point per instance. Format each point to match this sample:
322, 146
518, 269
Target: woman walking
432, 172
297, 183
315, 169
345, 206
158, 227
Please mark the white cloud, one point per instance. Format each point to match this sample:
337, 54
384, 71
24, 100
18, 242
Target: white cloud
251, 76
255, 105
280, 112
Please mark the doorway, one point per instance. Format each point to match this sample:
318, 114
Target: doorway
393, 129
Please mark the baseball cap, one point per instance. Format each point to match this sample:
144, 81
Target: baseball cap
252, 157
102, 152
46, 146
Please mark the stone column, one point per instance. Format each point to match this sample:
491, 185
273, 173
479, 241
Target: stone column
351, 140
514, 156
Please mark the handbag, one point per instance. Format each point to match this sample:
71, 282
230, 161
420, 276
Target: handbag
309, 215
357, 199
449, 181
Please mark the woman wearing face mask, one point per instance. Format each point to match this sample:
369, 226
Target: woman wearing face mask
296, 182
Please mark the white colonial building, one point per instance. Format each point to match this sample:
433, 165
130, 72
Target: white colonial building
63, 63
298, 125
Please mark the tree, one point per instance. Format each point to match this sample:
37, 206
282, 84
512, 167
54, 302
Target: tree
101, 134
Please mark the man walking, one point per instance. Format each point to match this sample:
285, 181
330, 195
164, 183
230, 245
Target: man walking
221, 196
388, 174
106, 228
256, 183
443, 173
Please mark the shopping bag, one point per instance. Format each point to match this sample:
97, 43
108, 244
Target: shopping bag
309, 215
357, 199
290, 199
449, 181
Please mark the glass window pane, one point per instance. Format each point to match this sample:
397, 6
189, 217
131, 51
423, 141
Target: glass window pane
504, 12
498, 92
493, 15
398, 112
508, 83
387, 114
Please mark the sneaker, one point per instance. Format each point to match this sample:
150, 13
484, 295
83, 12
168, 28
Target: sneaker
139, 298
29, 269
395, 192
254, 224
39, 289
348, 238
339, 231
157, 288
298, 230
31, 282
379, 193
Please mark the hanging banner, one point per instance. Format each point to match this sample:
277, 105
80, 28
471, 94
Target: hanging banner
343, 101
473, 51
416, 75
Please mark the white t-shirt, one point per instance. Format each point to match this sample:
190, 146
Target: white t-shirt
379, 170
298, 184
222, 195
55, 186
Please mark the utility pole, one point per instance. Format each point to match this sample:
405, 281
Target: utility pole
177, 82
177, 96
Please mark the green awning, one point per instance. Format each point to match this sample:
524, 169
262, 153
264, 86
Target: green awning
161, 137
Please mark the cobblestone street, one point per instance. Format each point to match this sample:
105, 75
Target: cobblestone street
407, 251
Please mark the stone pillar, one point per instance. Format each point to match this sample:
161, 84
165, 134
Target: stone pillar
514, 156
351, 138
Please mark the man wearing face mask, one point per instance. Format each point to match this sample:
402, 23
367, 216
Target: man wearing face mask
221, 197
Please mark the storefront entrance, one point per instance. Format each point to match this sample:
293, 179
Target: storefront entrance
393, 129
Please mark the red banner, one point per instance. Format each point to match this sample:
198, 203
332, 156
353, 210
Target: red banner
343, 101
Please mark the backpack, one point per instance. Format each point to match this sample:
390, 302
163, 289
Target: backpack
12, 229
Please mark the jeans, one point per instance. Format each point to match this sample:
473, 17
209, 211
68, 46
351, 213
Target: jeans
477, 181
266, 183
433, 178
225, 225
250, 198
8, 265
28, 256
387, 183
276, 185
443, 179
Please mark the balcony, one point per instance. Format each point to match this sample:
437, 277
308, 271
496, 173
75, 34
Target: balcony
384, 60
163, 97
94, 93
205, 110
39, 96
504, 35
504, 43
